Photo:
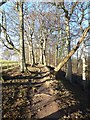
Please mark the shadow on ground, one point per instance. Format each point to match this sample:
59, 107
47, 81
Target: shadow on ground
81, 96
18, 91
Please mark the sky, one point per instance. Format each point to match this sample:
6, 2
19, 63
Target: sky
46, 0
7, 7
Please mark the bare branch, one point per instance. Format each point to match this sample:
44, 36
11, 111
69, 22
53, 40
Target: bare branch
61, 64
72, 9
10, 43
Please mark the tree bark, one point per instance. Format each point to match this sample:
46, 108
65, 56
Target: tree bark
41, 51
61, 64
68, 41
56, 55
33, 57
44, 51
84, 66
22, 47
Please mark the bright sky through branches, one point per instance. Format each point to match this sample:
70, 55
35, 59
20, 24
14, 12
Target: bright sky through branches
46, 0
9, 6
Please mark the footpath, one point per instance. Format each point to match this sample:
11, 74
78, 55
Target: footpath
39, 96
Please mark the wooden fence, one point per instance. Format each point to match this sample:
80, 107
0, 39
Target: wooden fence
6, 65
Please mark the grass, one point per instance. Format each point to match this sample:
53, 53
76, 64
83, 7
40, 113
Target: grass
7, 63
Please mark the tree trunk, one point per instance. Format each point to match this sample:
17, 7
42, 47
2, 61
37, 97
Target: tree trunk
69, 63
84, 65
56, 55
44, 51
22, 47
41, 51
77, 62
33, 57
29, 54
31, 50
61, 64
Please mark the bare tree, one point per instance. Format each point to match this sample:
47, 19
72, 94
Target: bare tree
22, 47
73, 50
30, 34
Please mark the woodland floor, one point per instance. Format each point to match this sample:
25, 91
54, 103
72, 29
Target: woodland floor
36, 95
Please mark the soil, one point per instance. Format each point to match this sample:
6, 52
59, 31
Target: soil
39, 95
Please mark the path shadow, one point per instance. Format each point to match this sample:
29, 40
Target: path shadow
21, 79
21, 91
76, 88
28, 83
36, 75
17, 102
79, 95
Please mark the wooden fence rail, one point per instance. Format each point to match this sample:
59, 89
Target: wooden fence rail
4, 66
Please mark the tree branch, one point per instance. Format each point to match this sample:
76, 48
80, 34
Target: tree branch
9, 41
61, 64
1, 3
71, 12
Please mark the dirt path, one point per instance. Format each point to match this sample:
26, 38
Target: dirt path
35, 95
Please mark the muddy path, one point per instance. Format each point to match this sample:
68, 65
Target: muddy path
36, 95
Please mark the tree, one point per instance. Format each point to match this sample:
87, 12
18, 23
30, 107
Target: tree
10, 45
3, 2
29, 30
43, 38
68, 14
6, 40
22, 47
68, 40
47, 28
73, 50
